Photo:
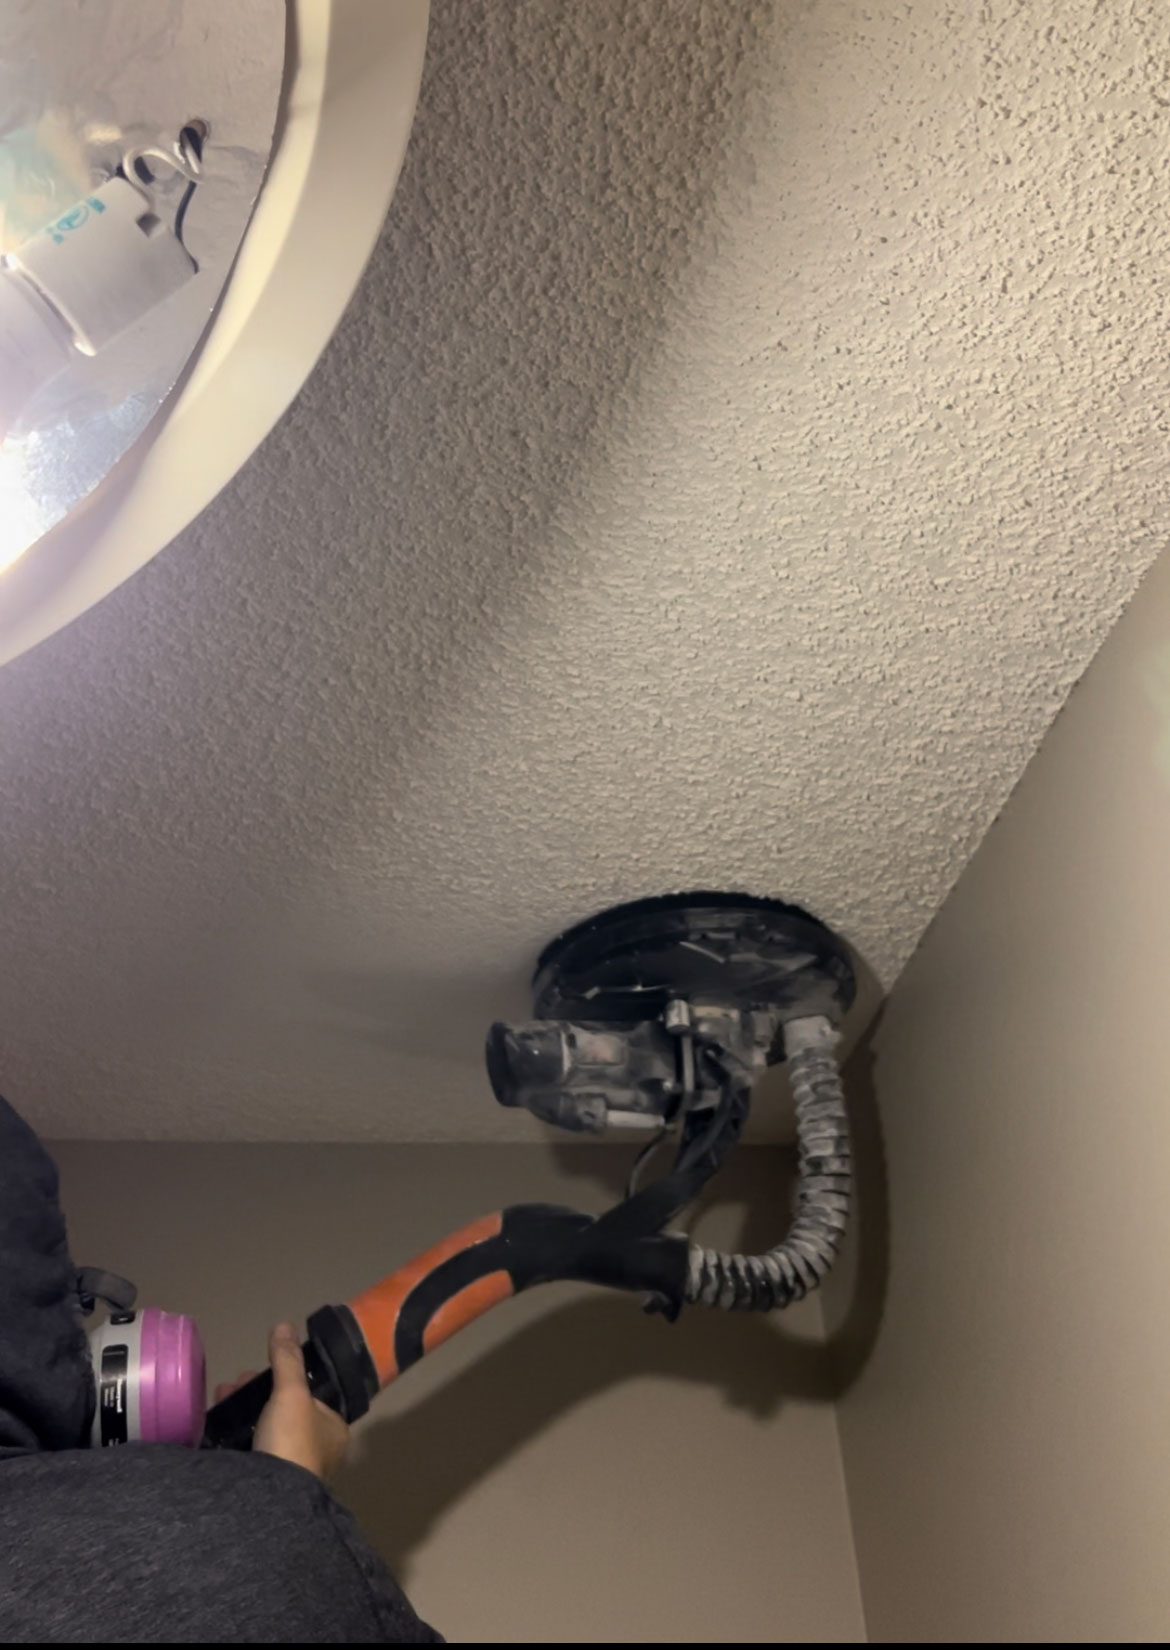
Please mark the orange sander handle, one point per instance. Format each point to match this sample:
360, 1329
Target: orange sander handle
353, 1351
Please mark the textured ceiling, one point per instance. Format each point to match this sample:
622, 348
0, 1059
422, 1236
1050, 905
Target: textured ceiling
750, 424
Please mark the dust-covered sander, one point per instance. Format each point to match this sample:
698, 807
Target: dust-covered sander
656, 1016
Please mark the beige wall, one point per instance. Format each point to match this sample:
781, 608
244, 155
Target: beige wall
1007, 1448
567, 1469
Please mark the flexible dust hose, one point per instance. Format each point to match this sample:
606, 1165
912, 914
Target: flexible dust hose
786, 1273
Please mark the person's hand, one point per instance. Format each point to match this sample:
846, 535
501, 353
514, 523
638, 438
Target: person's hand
293, 1424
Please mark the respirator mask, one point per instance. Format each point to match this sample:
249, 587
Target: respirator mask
148, 1367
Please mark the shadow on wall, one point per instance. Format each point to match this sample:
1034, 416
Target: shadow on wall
444, 1444
450, 1440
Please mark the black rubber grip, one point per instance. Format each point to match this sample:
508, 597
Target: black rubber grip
531, 1243
231, 1424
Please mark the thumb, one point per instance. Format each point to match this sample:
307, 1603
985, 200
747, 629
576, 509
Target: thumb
287, 1360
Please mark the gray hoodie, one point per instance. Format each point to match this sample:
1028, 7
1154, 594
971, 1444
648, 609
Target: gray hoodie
148, 1543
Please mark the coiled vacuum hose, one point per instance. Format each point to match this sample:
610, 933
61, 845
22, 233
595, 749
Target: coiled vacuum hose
786, 1273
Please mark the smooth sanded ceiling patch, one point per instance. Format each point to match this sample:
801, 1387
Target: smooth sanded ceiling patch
752, 421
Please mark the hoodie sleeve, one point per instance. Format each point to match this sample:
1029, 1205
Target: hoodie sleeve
46, 1386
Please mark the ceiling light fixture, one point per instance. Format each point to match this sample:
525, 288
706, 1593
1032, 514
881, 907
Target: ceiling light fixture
188, 195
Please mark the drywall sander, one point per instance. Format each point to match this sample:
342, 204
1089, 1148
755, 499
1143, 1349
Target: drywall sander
656, 1016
